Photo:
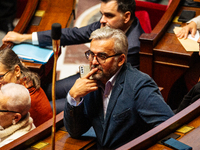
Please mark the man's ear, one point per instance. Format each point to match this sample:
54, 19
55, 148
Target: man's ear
17, 71
16, 118
121, 59
127, 16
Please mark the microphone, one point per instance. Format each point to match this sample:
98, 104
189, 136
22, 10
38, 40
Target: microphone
55, 35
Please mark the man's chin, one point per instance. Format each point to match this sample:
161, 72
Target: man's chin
96, 77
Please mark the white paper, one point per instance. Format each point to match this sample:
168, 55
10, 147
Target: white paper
196, 37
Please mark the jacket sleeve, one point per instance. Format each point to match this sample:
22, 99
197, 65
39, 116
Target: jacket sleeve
151, 106
75, 121
69, 36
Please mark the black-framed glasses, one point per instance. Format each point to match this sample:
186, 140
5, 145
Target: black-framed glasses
1, 76
101, 57
8, 111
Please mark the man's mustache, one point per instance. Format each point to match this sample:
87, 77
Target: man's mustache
98, 67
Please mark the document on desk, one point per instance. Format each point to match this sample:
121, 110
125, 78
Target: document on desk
190, 44
32, 53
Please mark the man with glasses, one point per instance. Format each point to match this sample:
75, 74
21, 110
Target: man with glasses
15, 119
118, 14
119, 102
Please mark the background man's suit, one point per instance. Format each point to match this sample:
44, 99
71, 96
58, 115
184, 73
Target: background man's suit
71, 36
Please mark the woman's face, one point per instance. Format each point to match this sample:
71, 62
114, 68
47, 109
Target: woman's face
7, 76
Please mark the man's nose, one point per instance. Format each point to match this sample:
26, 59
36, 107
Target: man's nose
95, 60
103, 19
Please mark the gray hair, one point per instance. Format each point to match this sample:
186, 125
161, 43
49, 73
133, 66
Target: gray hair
120, 39
19, 99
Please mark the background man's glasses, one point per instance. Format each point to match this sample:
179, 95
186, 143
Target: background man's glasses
101, 57
8, 111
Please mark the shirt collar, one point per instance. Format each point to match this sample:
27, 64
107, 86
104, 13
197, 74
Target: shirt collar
128, 28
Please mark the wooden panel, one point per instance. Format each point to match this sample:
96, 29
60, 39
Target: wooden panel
56, 11
162, 56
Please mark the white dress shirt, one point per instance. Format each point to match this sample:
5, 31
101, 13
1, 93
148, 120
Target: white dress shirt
35, 38
196, 20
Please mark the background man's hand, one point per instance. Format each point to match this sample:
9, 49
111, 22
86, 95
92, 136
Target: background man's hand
17, 38
190, 28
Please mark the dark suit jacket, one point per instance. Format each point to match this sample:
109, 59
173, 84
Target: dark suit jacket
76, 35
190, 97
135, 106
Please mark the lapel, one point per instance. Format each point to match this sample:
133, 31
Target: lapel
99, 104
117, 89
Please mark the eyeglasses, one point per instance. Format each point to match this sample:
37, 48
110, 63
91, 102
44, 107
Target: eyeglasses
101, 57
8, 111
1, 76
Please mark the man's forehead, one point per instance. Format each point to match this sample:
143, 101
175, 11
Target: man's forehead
102, 45
109, 6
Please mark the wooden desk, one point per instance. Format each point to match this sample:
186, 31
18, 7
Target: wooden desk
162, 56
43, 134
51, 11
149, 140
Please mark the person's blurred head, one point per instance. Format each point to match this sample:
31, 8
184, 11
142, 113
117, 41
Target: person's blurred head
118, 14
12, 69
15, 103
108, 52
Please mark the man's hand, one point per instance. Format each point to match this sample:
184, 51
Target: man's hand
190, 28
84, 85
17, 37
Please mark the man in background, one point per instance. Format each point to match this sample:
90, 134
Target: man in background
15, 119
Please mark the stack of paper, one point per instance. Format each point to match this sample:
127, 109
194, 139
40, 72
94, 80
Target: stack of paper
32, 53
190, 44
